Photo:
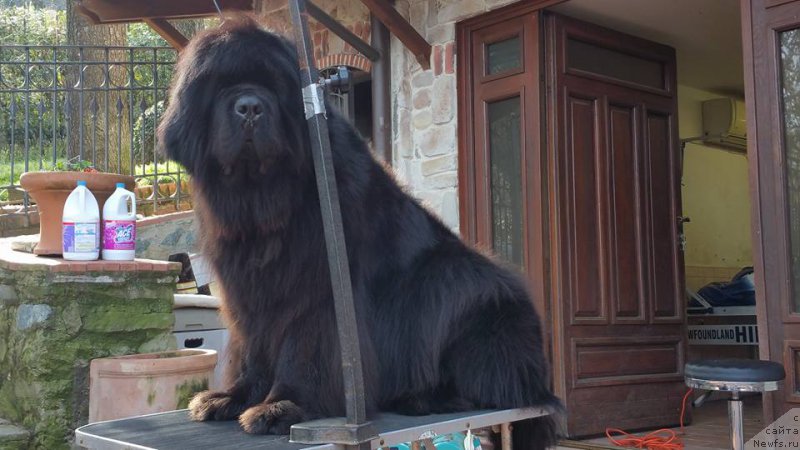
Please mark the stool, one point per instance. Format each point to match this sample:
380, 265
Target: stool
734, 376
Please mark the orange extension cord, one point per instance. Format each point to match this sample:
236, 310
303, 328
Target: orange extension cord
662, 439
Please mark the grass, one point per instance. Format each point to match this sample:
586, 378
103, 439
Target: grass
19, 169
145, 173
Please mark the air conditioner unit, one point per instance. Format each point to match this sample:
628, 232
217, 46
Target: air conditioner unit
724, 123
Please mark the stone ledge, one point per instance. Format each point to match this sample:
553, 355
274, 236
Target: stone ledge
12, 434
154, 220
15, 260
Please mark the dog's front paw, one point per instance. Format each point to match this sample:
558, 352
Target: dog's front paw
208, 405
272, 418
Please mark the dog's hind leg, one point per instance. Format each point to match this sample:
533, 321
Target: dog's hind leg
497, 361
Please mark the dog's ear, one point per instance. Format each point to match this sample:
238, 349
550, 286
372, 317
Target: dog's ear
180, 134
183, 129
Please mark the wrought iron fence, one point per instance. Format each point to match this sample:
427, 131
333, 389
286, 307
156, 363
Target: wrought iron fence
68, 104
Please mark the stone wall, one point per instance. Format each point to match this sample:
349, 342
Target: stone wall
56, 316
158, 237
424, 121
18, 223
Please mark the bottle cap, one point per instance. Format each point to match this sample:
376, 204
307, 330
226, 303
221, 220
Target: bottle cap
81, 183
121, 185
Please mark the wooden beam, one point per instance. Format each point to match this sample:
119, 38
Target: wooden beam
123, 11
398, 26
170, 34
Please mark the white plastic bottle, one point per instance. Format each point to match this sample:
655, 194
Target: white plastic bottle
80, 229
119, 225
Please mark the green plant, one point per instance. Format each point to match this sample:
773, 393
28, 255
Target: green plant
33, 26
167, 173
74, 165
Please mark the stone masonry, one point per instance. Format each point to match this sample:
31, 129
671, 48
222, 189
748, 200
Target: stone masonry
424, 122
55, 316
157, 237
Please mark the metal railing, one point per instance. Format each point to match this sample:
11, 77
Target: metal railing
61, 105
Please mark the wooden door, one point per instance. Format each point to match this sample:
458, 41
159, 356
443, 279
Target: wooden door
617, 265
771, 30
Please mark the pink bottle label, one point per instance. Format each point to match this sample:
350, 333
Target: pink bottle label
119, 234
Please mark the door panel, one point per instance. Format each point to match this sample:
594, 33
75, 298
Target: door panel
616, 263
772, 77
584, 240
665, 263
628, 290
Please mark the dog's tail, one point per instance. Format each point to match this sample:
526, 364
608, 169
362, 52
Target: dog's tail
539, 433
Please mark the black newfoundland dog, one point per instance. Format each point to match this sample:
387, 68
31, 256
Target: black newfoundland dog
443, 328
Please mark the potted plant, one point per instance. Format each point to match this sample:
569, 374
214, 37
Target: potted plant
50, 189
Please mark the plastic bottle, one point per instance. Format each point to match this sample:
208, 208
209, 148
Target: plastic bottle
119, 225
80, 230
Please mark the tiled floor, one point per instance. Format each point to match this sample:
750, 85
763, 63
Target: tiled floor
709, 430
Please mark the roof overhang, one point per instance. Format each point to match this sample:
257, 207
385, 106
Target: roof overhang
155, 13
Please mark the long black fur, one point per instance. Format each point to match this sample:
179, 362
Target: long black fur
443, 327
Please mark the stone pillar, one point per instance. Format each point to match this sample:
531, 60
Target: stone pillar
55, 316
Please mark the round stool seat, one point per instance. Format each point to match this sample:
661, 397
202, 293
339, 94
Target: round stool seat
743, 375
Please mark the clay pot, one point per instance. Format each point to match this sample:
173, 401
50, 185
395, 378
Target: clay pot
144, 192
50, 191
132, 385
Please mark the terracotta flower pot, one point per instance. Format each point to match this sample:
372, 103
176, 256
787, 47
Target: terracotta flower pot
144, 192
147, 383
50, 191
166, 189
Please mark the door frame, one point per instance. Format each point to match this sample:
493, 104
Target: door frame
470, 162
768, 216
761, 21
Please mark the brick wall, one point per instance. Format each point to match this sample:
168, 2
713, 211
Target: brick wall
329, 49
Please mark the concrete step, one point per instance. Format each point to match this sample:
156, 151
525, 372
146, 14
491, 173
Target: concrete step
12, 436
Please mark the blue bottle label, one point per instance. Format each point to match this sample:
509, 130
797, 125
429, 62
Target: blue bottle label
80, 237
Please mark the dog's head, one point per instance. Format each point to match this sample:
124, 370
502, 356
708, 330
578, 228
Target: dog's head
235, 115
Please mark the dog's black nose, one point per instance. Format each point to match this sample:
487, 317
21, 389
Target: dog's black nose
248, 107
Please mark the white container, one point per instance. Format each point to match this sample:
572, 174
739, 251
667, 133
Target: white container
80, 225
119, 225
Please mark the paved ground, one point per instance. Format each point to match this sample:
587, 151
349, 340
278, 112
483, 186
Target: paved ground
710, 429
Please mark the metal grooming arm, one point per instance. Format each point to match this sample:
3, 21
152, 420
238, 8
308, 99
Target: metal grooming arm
354, 431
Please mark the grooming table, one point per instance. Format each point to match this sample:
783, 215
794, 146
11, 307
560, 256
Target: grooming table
174, 430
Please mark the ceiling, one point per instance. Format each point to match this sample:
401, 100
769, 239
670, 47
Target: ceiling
706, 34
